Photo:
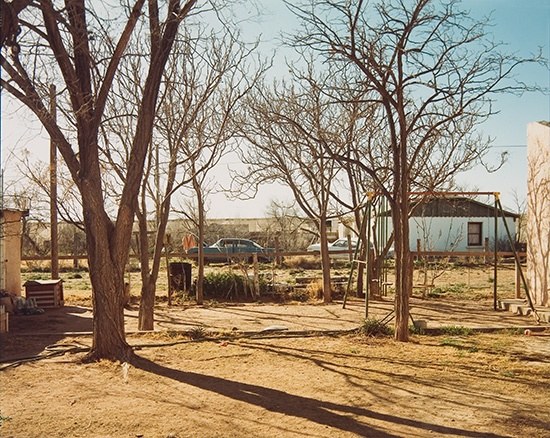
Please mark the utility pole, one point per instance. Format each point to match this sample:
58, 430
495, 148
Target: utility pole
2, 256
53, 193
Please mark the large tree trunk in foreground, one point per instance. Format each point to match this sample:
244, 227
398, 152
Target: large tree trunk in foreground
109, 339
86, 91
106, 266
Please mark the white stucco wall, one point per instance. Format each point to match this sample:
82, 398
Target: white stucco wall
451, 233
538, 212
11, 251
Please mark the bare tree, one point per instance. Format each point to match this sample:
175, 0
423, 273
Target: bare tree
206, 76
285, 127
287, 225
74, 45
198, 111
35, 180
432, 71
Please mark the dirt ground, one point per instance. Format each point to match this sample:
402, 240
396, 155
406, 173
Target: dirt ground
280, 371
484, 385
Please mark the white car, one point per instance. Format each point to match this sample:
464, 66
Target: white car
337, 245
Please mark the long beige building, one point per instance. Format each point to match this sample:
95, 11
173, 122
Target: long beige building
538, 211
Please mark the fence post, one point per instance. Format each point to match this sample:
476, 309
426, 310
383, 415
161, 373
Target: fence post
256, 276
518, 279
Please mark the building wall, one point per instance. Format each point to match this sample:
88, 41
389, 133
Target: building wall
538, 212
11, 251
451, 233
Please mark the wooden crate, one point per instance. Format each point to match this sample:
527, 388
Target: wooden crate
46, 293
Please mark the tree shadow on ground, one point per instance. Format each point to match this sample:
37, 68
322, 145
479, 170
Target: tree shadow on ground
29, 335
326, 413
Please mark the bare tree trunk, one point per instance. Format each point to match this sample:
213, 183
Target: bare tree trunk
150, 276
360, 278
147, 297
108, 242
403, 274
107, 278
200, 260
146, 315
375, 272
325, 261
361, 218
109, 339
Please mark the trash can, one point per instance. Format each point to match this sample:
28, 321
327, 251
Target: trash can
180, 276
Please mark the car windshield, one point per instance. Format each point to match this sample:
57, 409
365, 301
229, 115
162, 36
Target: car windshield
238, 243
343, 243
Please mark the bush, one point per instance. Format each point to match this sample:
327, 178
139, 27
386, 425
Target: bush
229, 286
197, 333
417, 329
375, 328
223, 285
302, 295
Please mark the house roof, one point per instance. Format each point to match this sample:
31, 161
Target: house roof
454, 207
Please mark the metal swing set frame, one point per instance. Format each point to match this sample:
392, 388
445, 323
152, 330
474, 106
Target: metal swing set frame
498, 211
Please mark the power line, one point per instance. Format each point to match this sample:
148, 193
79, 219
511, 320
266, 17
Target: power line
509, 146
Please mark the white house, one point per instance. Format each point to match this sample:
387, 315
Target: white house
456, 224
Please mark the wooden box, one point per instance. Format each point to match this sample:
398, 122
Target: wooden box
46, 293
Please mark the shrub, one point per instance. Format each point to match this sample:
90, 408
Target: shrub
436, 292
315, 289
224, 285
229, 286
197, 333
299, 294
417, 329
375, 328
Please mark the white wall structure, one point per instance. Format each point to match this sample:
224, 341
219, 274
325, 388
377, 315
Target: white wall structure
538, 212
458, 224
10, 266
451, 233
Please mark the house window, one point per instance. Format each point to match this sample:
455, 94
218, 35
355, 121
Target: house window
474, 234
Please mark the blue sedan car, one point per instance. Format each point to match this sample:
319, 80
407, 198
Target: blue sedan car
234, 248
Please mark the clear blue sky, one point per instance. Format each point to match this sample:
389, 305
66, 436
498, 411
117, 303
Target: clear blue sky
523, 24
